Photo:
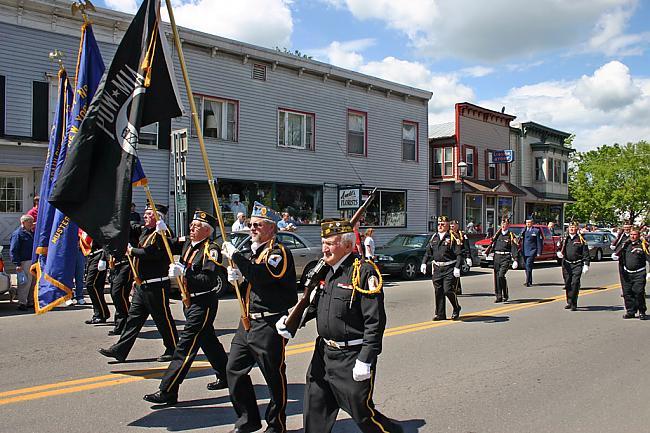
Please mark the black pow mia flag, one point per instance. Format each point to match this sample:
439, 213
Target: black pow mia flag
139, 88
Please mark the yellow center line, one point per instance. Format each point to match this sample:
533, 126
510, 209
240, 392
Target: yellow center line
129, 376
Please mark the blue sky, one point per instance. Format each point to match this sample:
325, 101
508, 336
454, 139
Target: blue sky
581, 66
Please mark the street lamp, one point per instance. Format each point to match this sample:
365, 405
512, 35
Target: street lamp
462, 170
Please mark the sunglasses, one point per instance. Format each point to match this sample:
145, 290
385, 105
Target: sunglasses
256, 225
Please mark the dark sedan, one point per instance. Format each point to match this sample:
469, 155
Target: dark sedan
403, 254
599, 244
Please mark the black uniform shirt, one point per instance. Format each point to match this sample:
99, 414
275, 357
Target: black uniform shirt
635, 255
505, 243
340, 320
620, 240
152, 260
270, 274
203, 262
444, 250
575, 249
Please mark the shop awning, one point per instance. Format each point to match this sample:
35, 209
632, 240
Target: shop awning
534, 195
499, 187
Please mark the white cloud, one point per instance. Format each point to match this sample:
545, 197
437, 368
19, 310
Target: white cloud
268, 23
477, 71
129, 6
344, 54
609, 88
499, 29
558, 104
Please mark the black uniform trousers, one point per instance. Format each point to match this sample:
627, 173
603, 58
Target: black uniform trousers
95, 281
529, 262
121, 282
502, 264
148, 300
261, 345
444, 285
197, 333
634, 291
572, 272
329, 387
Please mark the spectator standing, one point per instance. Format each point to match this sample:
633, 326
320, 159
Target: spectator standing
369, 243
20, 252
286, 223
135, 216
240, 223
236, 206
33, 212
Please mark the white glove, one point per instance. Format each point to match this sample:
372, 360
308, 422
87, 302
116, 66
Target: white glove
228, 249
515, 264
423, 268
559, 255
361, 371
612, 247
457, 272
468, 262
161, 227
234, 274
101, 265
176, 270
585, 269
281, 327
614, 256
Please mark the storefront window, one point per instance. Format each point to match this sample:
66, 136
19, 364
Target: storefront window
388, 209
505, 208
473, 213
303, 202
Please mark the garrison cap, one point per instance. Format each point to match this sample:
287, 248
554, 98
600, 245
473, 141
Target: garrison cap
335, 227
505, 220
204, 217
574, 223
159, 207
262, 211
443, 219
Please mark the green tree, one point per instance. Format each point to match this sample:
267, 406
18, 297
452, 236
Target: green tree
610, 183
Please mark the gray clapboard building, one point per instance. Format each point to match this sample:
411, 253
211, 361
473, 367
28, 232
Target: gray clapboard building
284, 130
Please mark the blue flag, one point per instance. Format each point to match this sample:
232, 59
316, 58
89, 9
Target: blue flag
57, 267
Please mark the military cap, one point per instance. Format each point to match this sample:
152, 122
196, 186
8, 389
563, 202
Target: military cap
335, 227
443, 219
159, 207
454, 222
204, 217
262, 211
505, 220
574, 223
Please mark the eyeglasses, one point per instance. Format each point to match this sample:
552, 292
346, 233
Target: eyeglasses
256, 225
441, 224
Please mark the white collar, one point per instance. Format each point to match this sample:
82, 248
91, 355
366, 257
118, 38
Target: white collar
256, 246
337, 265
442, 235
504, 232
573, 236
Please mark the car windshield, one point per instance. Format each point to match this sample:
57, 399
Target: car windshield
516, 230
589, 237
411, 241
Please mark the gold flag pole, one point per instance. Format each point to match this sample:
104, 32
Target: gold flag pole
204, 153
184, 294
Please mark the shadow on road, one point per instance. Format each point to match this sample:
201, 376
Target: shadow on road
349, 426
476, 295
601, 308
486, 319
528, 301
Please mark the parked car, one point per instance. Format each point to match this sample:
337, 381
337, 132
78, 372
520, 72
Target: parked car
5, 281
402, 255
549, 247
305, 255
599, 243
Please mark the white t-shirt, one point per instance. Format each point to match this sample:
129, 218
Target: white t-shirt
370, 246
239, 226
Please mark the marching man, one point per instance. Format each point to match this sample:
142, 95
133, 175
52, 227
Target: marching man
632, 256
574, 253
506, 251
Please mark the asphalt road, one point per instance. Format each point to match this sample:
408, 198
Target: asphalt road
525, 366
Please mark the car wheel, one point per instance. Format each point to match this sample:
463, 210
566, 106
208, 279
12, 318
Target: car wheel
303, 277
410, 269
599, 255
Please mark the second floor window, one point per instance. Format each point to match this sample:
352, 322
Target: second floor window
295, 129
357, 132
539, 169
443, 161
469, 160
565, 172
409, 141
549, 170
218, 117
492, 167
557, 176
41, 110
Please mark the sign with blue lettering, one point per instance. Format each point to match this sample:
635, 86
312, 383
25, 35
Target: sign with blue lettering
503, 156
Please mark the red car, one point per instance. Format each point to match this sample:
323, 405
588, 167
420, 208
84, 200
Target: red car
548, 250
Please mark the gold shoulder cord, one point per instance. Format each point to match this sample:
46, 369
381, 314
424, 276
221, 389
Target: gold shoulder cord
644, 245
206, 254
284, 261
356, 278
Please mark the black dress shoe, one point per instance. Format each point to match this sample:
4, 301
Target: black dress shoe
161, 397
456, 314
628, 316
165, 357
217, 384
567, 307
574, 308
94, 321
438, 318
505, 299
642, 316
111, 354
112, 332
497, 300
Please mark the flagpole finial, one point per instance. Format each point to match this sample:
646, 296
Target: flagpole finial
83, 6
57, 56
